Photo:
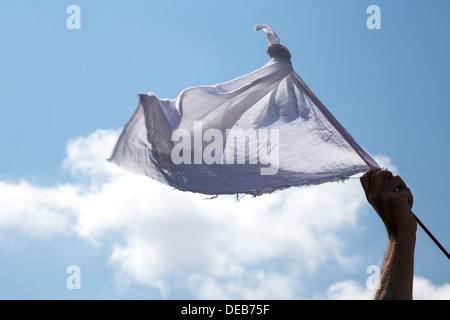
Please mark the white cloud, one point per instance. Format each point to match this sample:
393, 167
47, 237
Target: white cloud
214, 249
36, 211
423, 289
253, 284
349, 290
87, 155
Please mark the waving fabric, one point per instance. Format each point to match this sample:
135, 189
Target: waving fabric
255, 134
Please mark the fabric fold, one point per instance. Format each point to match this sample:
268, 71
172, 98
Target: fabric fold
255, 134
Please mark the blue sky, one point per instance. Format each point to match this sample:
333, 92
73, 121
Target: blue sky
387, 87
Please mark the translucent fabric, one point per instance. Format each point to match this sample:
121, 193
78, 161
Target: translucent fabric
255, 134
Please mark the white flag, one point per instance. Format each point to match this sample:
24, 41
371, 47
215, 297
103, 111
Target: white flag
255, 134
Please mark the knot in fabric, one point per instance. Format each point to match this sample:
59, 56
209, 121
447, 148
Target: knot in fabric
275, 49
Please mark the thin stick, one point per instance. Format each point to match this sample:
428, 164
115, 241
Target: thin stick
432, 237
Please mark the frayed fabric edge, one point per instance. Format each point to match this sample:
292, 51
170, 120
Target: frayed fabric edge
256, 192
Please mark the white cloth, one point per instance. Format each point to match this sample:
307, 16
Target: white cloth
289, 138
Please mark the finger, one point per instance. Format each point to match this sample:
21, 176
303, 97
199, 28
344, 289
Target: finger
378, 180
410, 200
406, 192
410, 197
395, 183
365, 181
365, 178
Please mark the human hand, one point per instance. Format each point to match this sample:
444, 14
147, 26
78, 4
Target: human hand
392, 200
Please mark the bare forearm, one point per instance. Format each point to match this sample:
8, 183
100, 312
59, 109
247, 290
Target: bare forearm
396, 282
